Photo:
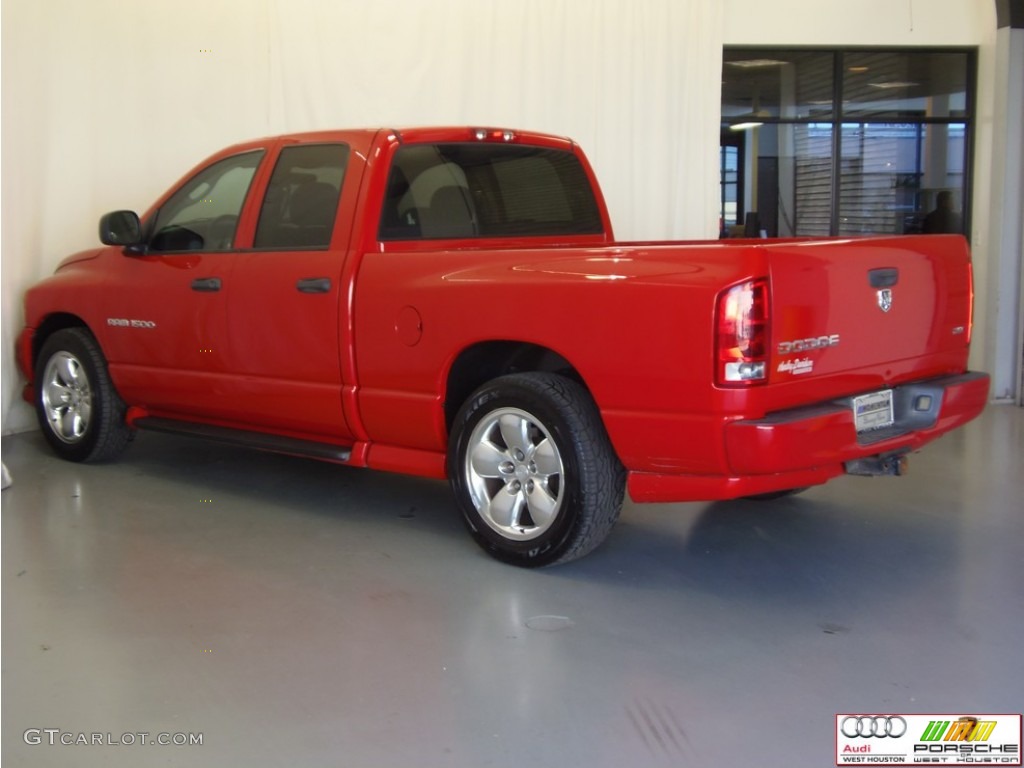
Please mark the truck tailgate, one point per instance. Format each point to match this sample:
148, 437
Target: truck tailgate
852, 315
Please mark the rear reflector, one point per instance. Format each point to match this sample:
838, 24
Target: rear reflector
741, 334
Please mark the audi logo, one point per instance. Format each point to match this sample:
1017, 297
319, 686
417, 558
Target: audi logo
873, 726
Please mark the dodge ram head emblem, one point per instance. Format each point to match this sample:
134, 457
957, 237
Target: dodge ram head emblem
885, 299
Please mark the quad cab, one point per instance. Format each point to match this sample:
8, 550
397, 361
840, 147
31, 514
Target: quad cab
451, 303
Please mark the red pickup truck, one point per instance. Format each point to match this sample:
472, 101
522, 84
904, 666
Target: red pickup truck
450, 302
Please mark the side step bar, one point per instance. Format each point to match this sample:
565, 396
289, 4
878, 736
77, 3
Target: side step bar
241, 438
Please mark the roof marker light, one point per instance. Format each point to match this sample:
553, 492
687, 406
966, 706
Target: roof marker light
494, 134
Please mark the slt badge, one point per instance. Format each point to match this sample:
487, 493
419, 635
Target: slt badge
885, 299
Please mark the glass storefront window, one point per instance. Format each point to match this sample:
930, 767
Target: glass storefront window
885, 150
787, 178
904, 85
729, 185
783, 84
892, 175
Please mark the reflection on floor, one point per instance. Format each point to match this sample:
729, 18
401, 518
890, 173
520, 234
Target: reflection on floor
301, 614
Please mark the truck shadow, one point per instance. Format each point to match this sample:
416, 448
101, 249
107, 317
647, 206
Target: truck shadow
806, 549
799, 549
166, 474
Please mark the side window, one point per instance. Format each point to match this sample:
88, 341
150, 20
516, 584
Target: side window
486, 190
203, 214
302, 197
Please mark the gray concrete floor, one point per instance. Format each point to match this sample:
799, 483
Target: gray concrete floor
302, 614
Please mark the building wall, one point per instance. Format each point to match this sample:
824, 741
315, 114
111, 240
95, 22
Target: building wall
867, 23
927, 23
106, 103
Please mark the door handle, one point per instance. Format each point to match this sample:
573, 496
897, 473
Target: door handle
207, 284
314, 285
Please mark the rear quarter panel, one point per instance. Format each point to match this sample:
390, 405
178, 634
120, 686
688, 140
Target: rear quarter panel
634, 322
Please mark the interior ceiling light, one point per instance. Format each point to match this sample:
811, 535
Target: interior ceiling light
744, 126
894, 84
752, 63
858, 70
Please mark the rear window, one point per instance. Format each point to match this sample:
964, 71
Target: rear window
486, 190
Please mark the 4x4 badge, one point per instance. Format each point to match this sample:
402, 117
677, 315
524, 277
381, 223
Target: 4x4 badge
885, 299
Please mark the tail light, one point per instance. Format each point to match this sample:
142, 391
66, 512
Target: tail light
741, 334
970, 302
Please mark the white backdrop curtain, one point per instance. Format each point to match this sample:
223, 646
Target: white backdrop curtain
106, 103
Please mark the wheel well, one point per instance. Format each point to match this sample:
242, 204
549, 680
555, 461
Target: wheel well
480, 363
49, 326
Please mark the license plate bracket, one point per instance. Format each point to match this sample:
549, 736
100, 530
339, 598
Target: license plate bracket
874, 411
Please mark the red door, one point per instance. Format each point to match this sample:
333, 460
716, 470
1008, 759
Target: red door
163, 315
286, 304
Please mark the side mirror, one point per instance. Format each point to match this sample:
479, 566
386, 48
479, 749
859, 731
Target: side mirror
121, 228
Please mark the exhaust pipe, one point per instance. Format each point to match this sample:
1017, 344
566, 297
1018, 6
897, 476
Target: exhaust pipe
894, 464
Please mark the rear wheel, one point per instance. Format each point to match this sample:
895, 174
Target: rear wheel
79, 411
533, 471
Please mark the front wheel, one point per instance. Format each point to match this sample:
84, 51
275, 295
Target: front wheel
79, 411
533, 471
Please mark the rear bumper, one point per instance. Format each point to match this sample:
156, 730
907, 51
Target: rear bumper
809, 445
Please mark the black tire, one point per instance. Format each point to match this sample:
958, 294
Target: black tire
80, 413
776, 494
535, 443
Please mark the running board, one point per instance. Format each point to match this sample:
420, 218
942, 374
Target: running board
241, 438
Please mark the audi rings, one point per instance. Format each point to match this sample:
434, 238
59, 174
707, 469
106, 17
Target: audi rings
873, 726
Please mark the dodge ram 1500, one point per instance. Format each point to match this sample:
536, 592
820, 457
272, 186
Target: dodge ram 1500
451, 303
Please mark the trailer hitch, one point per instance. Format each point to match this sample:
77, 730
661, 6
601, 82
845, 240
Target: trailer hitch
894, 463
